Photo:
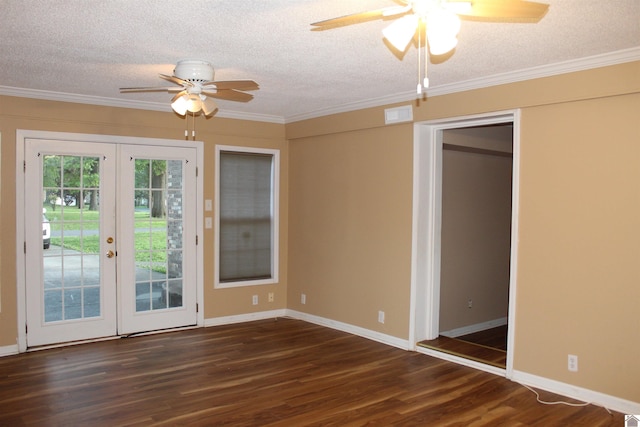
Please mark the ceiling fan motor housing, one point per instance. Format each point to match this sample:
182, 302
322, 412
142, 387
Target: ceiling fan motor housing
194, 70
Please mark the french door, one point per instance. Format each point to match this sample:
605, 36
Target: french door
110, 239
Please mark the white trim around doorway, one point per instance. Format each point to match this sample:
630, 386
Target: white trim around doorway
22, 135
427, 220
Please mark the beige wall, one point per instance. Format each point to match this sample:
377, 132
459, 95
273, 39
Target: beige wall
476, 228
22, 113
349, 227
350, 207
579, 243
579, 259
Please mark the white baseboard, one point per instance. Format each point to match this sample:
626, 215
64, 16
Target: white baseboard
240, 318
354, 330
578, 393
470, 329
9, 350
333, 324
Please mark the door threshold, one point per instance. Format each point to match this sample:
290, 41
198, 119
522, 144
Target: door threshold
158, 331
113, 337
481, 366
468, 350
70, 343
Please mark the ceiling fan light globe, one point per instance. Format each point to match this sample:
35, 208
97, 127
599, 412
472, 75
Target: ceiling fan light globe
180, 104
209, 106
194, 103
400, 32
443, 23
442, 45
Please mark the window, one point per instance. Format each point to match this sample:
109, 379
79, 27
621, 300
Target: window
246, 216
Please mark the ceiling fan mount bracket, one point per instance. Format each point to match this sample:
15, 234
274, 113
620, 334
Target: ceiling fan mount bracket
194, 70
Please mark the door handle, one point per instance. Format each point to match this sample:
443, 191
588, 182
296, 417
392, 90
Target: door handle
110, 254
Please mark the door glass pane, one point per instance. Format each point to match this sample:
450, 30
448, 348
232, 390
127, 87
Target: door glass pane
158, 201
71, 237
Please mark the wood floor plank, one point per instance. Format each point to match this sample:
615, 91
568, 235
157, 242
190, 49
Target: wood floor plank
468, 350
265, 373
493, 337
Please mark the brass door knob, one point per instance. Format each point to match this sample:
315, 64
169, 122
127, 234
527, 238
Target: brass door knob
109, 239
110, 254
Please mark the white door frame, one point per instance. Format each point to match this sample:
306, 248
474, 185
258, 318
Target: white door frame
21, 137
427, 222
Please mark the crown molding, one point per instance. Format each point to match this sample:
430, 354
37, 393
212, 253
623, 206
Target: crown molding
581, 64
574, 65
124, 103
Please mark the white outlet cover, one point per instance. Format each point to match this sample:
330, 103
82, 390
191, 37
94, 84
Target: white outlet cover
572, 363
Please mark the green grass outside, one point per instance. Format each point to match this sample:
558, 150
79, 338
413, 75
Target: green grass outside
150, 248
76, 219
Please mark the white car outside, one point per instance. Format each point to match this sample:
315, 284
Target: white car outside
46, 231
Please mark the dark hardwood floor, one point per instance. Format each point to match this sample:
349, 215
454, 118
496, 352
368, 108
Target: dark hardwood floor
493, 337
267, 373
488, 346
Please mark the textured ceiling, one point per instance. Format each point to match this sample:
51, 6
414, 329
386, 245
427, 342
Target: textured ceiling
92, 48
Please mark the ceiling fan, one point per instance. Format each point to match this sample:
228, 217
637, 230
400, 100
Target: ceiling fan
439, 20
196, 87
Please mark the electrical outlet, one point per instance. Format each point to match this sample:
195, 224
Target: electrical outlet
271, 297
381, 316
572, 363
255, 300
303, 298
470, 303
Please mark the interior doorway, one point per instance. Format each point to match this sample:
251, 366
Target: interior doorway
464, 263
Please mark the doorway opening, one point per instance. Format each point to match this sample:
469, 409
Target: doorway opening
121, 253
465, 205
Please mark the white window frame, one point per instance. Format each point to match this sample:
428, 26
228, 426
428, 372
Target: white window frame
275, 209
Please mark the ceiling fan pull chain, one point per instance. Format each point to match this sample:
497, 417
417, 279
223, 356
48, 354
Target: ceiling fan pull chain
193, 128
425, 83
419, 86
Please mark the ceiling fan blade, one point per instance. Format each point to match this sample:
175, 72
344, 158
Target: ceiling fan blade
506, 11
149, 89
459, 7
356, 18
230, 95
176, 80
232, 84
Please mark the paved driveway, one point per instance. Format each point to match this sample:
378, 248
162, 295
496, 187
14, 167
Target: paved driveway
72, 281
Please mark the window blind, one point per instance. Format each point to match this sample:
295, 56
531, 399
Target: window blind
245, 216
